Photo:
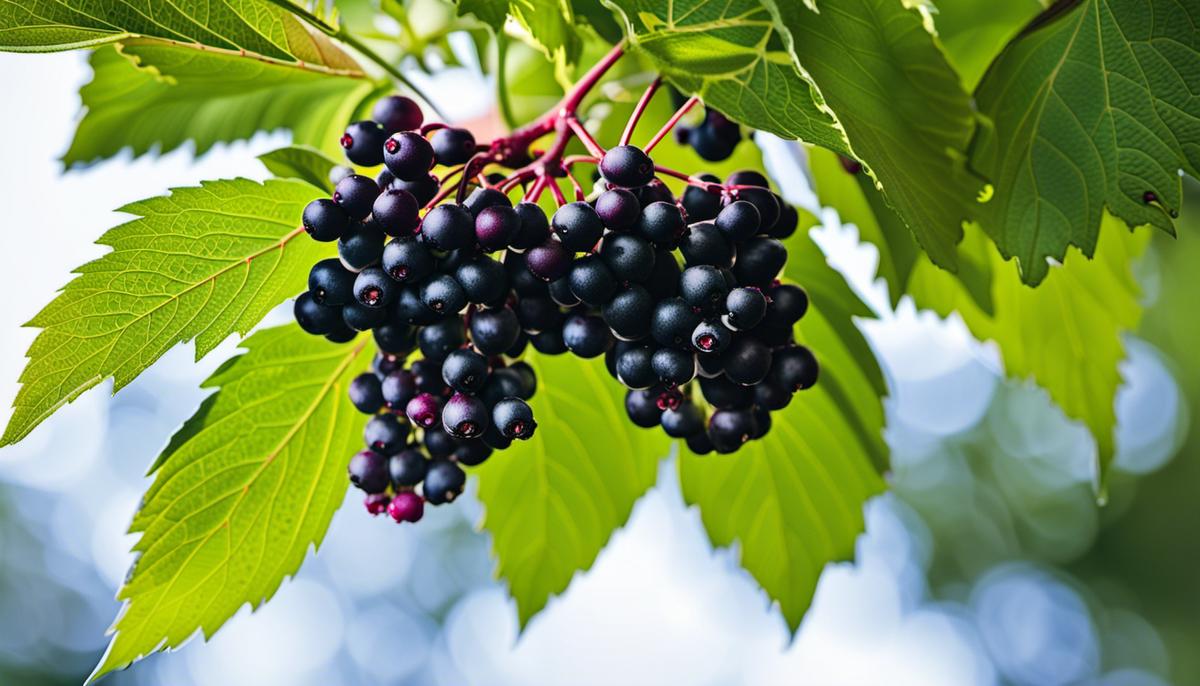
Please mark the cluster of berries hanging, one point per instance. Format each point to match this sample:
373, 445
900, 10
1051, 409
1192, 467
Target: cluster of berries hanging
680, 295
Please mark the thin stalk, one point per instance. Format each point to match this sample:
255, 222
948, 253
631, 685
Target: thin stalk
687, 106
585, 136
641, 106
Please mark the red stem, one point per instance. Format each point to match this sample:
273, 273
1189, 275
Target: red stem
585, 136
641, 106
579, 194
687, 106
556, 191
571, 160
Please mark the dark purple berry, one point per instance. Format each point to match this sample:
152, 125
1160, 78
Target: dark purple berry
324, 220
514, 418
452, 146
578, 226
464, 416
315, 318
619, 209
424, 410
363, 143
549, 261
356, 195
397, 113
365, 393
368, 471
398, 387
466, 371
586, 336
627, 166
396, 212
449, 227
408, 155
385, 434
443, 482
496, 226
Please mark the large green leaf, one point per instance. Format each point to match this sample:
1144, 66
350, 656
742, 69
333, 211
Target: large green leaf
147, 95
553, 502
245, 487
201, 263
301, 162
973, 32
733, 56
1092, 109
902, 106
1065, 334
794, 500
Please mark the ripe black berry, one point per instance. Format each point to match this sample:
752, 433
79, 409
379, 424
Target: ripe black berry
494, 331
464, 416
634, 368
483, 198
711, 337
361, 246
514, 418
586, 336
385, 434
423, 188
313, 317
745, 308
439, 338
537, 314
368, 471
767, 204
395, 337
502, 384
428, 376
662, 224
397, 388
627, 166
443, 482
549, 261
407, 261
374, 288
664, 280
673, 323
363, 318
330, 283
724, 394
674, 367
397, 113
729, 429
655, 191
578, 226
630, 312
747, 177
424, 410
794, 368
408, 155
747, 360
409, 307
700, 204
466, 371
407, 468
759, 261
472, 452
591, 281
788, 222
786, 306
496, 226
549, 342
452, 146
683, 421
629, 257
449, 227
442, 294
483, 279
341, 334
438, 443
704, 244
363, 143
642, 408
528, 378
324, 220
700, 443
619, 209
356, 195
396, 212
534, 228
770, 395
704, 288
738, 221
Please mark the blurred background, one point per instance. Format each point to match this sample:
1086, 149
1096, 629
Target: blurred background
989, 562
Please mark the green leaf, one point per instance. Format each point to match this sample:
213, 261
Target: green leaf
901, 105
794, 499
1065, 334
146, 95
1090, 110
733, 56
201, 263
551, 25
245, 487
973, 32
491, 12
553, 502
301, 162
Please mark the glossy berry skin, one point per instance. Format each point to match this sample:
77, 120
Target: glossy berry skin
710, 144
408, 155
630, 312
363, 318
438, 443
315, 318
560, 292
534, 228
385, 434
767, 204
788, 222
452, 146
438, 339
330, 283
397, 338
386, 363
730, 429
619, 209
586, 336
662, 224
514, 418
591, 281
738, 221
500, 385
442, 294
356, 195
578, 226
428, 376
711, 337
664, 280
673, 323
407, 261
745, 308
626, 166
336, 174
747, 361
365, 393
374, 288
483, 198
634, 369
423, 188
449, 227
443, 482
324, 220
759, 261
466, 371
397, 113
704, 288
704, 244
528, 378
409, 308
398, 388
537, 314
700, 204
483, 279
341, 334
724, 394
794, 369
496, 226
368, 471
494, 331
549, 261
747, 177
361, 246
683, 421
472, 453
396, 212
655, 191
788, 304
771, 396
464, 416
520, 275
629, 257
363, 143
673, 367
406, 507
642, 408
700, 443
424, 410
